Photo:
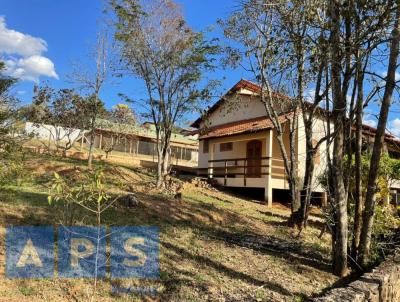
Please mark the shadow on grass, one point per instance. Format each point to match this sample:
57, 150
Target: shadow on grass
201, 260
311, 222
199, 216
205, 219
20, 196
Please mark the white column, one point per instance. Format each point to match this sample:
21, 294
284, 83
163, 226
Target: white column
100, 140
268, 178
83, 137
210, 157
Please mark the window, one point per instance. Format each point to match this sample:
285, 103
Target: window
205, 146
317, 155
225, 147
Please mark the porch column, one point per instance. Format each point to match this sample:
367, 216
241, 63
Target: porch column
210, 169
324, 199
100, 140
83, 137
268, 177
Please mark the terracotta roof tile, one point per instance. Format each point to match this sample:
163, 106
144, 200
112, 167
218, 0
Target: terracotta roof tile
239, 127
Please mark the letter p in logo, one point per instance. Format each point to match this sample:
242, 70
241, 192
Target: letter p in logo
81, 252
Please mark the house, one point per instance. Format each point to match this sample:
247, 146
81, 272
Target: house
238, 145
137, 141
141, 141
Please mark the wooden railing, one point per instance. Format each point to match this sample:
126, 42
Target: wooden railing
244, 168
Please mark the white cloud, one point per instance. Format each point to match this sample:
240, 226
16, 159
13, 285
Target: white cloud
14, 42
394, 127
31, 68
22, 54
370, 122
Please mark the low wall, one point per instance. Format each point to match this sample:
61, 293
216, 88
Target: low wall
380, 285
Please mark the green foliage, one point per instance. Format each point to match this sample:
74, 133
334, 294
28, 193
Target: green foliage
386, 215
82, 189
389, 171
86, 189
62, 108
8, 113
160, 48
11, 166
11, 171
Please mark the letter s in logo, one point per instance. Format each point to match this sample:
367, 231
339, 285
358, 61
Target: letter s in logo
131, 250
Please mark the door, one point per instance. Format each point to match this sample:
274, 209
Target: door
254, 150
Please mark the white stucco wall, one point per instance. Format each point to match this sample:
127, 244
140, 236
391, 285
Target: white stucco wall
237, 107
243, 107
48, 132
319, 131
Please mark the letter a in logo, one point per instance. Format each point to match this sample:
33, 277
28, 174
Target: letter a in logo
29, 252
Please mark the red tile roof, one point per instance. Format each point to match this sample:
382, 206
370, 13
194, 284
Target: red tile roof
261, 123
240, 127
242, 84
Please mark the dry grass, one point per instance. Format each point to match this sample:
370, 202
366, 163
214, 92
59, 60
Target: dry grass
214, 246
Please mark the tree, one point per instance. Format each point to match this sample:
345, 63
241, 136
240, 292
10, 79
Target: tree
356, 30
11, 165
92, 80
8, 112
63, 113
327, 46
370, 198
285, 54
88, 192
123, 119
158, 47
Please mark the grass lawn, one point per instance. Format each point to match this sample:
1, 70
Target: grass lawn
213, 246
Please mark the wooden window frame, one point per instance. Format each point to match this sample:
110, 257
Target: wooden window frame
317, 155
226, 147
206, 146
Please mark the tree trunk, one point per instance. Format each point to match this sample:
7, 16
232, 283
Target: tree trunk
339, 116
160, 178
358, 165
308, 175
91, 147
370, 198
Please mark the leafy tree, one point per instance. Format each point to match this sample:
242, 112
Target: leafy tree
386, 219
87, 192
11, 167
63, 113
123, 118
8, 112
327, 46
390, 83
158, 47
91, 78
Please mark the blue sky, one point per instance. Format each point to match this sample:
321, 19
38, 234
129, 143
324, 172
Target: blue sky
69, 28
63, 31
